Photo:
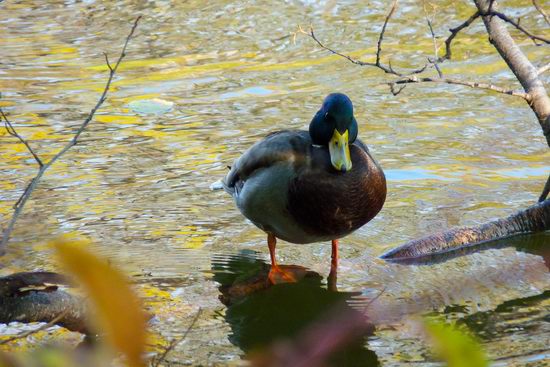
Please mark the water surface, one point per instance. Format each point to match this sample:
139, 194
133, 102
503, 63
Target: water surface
222, 75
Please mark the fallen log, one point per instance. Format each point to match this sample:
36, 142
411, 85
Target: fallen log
536, 218
37, 297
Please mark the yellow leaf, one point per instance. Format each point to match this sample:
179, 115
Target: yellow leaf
118, 309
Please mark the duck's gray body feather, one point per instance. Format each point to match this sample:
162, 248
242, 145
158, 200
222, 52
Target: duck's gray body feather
259, 180
267, 180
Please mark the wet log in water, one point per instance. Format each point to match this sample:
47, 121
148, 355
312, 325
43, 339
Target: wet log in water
533, 219
36, 297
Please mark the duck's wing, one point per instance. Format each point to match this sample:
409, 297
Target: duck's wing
290, 146
358, 142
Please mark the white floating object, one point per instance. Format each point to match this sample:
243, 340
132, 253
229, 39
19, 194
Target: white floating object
216, 185
151, 106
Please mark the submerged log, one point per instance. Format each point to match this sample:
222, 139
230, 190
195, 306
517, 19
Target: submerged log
36, 297
533, 219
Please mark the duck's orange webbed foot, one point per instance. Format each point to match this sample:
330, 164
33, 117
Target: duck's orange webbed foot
282, 273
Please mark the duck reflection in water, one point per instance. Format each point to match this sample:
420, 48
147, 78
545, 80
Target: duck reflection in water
295, 323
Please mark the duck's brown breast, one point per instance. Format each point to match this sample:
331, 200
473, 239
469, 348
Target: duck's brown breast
328, 203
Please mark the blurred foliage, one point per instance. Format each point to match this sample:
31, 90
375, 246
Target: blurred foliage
118, 310
117, 313
455, 346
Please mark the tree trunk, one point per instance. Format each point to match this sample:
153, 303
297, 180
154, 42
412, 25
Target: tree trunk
525, 72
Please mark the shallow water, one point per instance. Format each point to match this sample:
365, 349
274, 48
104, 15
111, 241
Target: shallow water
203, 82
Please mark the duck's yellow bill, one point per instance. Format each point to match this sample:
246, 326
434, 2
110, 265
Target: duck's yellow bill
338, 148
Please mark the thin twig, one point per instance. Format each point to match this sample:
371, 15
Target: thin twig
395, 91
436, 57
389, 69
454, 32
541, 11
486, 86
378, 64
24, 193
11, 130
397, 86
409, 77
34, 331
381, 36
27, 193
516, 24
161, 358
311, 34
107, 61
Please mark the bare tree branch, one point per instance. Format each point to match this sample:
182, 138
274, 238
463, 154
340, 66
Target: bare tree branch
541, 11
436, 57
397, 86
349, 58
11, 130
23, 194
28, 191
395, 91
454, 32
378, 63
486, 86
107, 61
409, 79
516, 24
381, 37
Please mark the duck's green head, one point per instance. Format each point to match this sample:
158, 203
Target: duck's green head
334, 126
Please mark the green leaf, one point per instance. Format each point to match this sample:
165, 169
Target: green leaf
454, 346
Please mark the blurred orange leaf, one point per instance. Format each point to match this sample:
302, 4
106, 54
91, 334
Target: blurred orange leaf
118, 309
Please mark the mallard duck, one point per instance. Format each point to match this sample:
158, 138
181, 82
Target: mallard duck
309, 186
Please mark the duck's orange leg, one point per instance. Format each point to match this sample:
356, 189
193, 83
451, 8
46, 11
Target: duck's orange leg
271, 243
334, 257
276, 274
333, 276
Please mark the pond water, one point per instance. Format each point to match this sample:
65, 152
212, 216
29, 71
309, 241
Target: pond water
202, 82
